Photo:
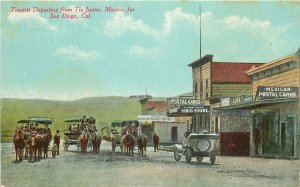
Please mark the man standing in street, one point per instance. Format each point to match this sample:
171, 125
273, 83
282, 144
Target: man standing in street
57, 140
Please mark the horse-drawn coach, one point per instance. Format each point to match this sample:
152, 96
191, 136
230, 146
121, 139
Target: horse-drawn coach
71, 133
82, 133
33, 135
121, 128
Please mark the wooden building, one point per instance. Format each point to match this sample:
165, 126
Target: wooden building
219, 84
213, 81
275, 130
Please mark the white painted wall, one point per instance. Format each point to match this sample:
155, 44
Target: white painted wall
163, 129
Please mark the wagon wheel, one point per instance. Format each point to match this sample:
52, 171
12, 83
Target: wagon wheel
53, 154
212, 159
66, 143
188, 155
113, 145
199, 158
177, 155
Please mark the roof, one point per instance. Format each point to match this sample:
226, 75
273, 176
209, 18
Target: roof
43, 120
72, 120
276, 62
23, 121
228, 72
203, 60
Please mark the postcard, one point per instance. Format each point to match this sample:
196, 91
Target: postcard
150, 93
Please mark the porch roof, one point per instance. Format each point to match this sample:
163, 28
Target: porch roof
256, 104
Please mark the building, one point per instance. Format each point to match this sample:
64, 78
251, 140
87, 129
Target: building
153, 119
275, 130
218, 84
213, 81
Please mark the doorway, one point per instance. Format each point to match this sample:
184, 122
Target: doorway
174, 134
289, 135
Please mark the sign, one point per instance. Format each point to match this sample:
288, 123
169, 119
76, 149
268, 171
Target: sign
173, 110
156, 118
140, 97
237, 100
232, 112
180, 101
225, 101
276, 92
194, 109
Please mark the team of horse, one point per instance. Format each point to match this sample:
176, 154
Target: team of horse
94, 138
33, 144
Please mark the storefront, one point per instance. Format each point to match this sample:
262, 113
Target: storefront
275, 131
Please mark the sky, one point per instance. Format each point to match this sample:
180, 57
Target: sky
145, 50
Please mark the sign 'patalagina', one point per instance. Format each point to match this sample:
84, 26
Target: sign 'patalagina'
277, 92
181, 101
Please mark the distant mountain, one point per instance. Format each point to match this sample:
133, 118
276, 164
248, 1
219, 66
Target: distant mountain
103, 109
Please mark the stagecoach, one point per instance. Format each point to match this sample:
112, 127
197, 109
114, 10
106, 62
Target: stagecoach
71, 133
199, 146
34, 125
117, 132
74, 128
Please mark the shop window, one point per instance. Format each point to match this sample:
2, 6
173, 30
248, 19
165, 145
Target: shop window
292, 65
268, 72
201, 89
196, 87
261, 75
206, 88
276, 70
255, 77
284, 67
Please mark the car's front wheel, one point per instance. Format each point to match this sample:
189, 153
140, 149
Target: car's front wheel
177, 155
188, 155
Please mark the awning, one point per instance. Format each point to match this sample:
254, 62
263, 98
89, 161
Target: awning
256, 104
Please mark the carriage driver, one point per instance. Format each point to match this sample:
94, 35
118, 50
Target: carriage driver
57, 140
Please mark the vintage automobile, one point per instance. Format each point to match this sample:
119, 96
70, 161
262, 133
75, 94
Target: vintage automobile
199, 146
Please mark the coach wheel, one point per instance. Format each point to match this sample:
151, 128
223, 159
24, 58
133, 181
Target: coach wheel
66, 143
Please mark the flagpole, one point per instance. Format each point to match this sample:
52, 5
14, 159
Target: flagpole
200, 28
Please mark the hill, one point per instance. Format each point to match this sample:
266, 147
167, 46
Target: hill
103, 109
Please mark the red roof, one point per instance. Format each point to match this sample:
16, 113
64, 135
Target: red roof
226, 72
159, 105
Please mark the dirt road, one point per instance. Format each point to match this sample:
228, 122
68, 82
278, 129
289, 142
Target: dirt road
156, 169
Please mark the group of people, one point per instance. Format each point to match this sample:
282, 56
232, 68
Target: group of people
87, 124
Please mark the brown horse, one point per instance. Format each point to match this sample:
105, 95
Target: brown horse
19, 142
83, 141
33, 148
96, 141
155, 139
43, 142
128, 143
142, 144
